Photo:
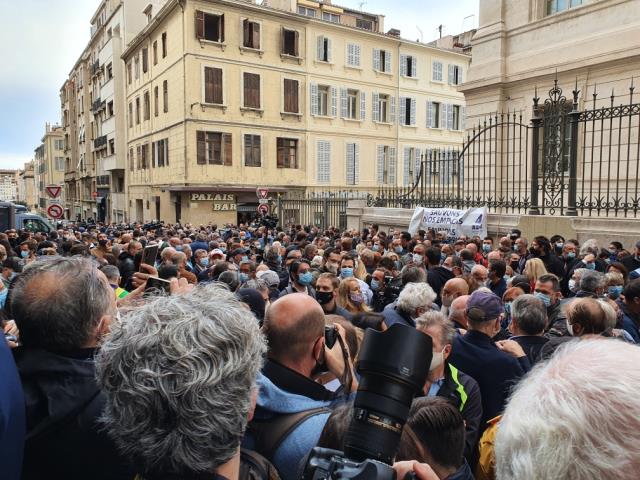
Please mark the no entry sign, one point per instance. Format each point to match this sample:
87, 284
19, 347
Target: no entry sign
55, 211
263, 209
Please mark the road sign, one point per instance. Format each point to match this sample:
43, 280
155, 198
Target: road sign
55, 211
263, 201
54, 190
262, 192
263, 209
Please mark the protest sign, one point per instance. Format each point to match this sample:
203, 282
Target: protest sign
472, 222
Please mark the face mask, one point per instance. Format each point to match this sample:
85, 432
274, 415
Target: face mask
448, 269
244, 258
324, 297
546, 299
3, 296
515, 265
533, 251
615, 291
24, 253
486, 248
305, 279
12, 276
436, 360
590, 266
573, 286
443, 256
417, 258
356, 298
243, 277
346, 272
507, 308
571, 255
559, 246
398, 249
398, 265
375, 285
375, 248
103, 242
204, 262
515, 248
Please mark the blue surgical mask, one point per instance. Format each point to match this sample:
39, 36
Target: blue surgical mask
615, 291
279, 259
417, 258
571, 255
507, 308
398, 249
24, 253
204, 262
305, 279
546, 299
375, 248
590, 266
443, 256
486, 247
560, 246
346, 272
3, 297
243, 277
375, 284
244, 258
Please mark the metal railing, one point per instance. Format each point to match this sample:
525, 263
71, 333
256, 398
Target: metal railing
323, 209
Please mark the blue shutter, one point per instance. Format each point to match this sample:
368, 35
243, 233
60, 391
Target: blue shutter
350, 163
376, 59
392, 118
403, 111
320, 48
450, 78
414, 66
403, 65
430, 121
356, 164
387, 62
418, 164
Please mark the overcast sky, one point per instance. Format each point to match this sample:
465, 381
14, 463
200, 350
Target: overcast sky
38, 54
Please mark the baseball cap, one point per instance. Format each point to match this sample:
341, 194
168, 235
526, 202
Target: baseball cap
483, 306
217, 251
270, 277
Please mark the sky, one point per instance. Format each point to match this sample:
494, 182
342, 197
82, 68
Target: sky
37, 55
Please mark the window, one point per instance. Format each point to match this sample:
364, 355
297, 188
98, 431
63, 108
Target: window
252, 151
110, 111
456, 119
59, 144
291, 104
112, 146
455, 75
155, 52
162, 152
137, 110
412, 165
353, 161
307, 12
287, 153
130, 158
145, 156
433, 115
145, 60
324, 49
214, 148
164, 44
555, 6
129, 73
407, 111
147, 106
138, 156
213, 85
408, 66
323, 160
330, 17
323, 100
353, 55
136, 62
209, 27
386, 165
436, 71
384, 108
59, 164
155, 101
251, 90
251, 34
352, 104
109, 71
382, 60
130, 114
165, 96
365, 24
289, 43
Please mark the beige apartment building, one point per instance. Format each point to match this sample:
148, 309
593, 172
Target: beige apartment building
226, 96
49, 165
27, 193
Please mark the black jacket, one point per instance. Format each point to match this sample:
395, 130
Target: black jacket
531, 344
63, 404
436, 278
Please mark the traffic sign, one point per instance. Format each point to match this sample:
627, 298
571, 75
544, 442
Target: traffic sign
263, 209
53, 190
262, 192
55, 211
263, 201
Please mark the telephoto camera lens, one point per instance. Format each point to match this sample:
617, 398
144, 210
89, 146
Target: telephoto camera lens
393, 368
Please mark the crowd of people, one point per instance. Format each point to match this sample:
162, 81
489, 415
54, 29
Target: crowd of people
211, 358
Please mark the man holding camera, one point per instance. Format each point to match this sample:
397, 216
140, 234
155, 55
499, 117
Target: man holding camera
292, 408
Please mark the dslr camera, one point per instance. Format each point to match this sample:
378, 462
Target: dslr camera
393, 368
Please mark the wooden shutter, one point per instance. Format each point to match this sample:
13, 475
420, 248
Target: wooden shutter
199, 24
154, 145
166, 152
256, 35
356, 55
403, 65
251, 90
283, 42
221, 28
460, 80
313, 88
343, 103
356, 164
376, 107
443, 116
280, 152
201, 148
349, 53
217, 86
155, 101
246, 33
329, 50
290, 95
380, 165
363, 105
392, 165
450, 116
412, 113
434, 70
376, 59
227, 149
320, 48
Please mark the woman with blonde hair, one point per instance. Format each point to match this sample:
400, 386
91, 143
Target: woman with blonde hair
534, 269
350, 297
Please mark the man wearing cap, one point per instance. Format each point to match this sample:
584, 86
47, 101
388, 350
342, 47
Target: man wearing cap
272, 279
239, 255
495, 366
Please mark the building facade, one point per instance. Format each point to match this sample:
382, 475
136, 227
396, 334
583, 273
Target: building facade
225, 96
49, 165
8, 185
27, 193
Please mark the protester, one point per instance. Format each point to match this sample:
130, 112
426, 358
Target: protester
528, 323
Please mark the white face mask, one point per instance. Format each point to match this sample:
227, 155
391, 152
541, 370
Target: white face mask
572, 285
436, 360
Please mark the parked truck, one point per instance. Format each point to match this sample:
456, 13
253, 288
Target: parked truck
10, 219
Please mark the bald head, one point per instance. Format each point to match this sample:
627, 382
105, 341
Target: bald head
293, 325
453, 289
480, 273
494, 255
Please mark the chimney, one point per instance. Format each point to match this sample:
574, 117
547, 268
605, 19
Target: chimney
394, 32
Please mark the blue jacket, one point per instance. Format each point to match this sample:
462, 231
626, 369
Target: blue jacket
393, 315
630, 323
12, 417
495, 371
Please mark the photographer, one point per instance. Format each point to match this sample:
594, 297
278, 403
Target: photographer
291, 405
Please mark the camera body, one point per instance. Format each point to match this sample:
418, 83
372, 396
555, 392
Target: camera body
331, 464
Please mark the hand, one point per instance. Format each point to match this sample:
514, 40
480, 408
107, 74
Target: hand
511, 347
139, 279
181, 286
11, 328
334, 358
421, 470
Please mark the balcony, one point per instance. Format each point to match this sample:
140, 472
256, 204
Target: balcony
98, 105
100, 143
95, 67
112, 162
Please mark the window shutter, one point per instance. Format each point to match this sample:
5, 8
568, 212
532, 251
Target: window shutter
350, 54
376, 107
418, 164
387, 61
450, 116
392, 165
363, 105
407, 166
282, 41
376, 59
314, 98
320, 48
393, 110
323, 161
450, 78
343, 103
202, 147
296, 51
463, 118
154, 146
414, 67
403, 65
329, 53
356, 55
403, 111
460, 80
434, 70
443, 116
380, 164
429, 114
350, 161
413, 112
256, 35
227, 149
222, 28
166, 152
199, 24
245, 33
356, 164
334, 102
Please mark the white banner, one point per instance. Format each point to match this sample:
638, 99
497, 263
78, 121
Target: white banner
472, 222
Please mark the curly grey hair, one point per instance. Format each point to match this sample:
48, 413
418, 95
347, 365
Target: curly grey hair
178, 375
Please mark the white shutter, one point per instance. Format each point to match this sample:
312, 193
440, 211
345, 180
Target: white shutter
392, 165
443, 116
319, 158
434, 70
356, 55
314, 98
363, 105
414, 66
376, 107
418, 164
403, 65
329, 52
393, 110
430, 121
450, 116
349, 53
324, 161
463, 118
460, 80
376, 59
387, 62
403, 111
356, 164
451, 74
343, 103
320, 48
350, 160
413, 112
334, 102
407, 166
380, 165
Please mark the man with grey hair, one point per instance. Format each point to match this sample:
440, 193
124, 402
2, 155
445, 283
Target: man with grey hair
178, 375
414, 300
528, 323
560, 423
63, 308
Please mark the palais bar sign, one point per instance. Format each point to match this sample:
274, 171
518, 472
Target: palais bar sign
222, 202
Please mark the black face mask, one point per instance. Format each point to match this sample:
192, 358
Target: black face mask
324, 297
103, 242
533, 251
515, 265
